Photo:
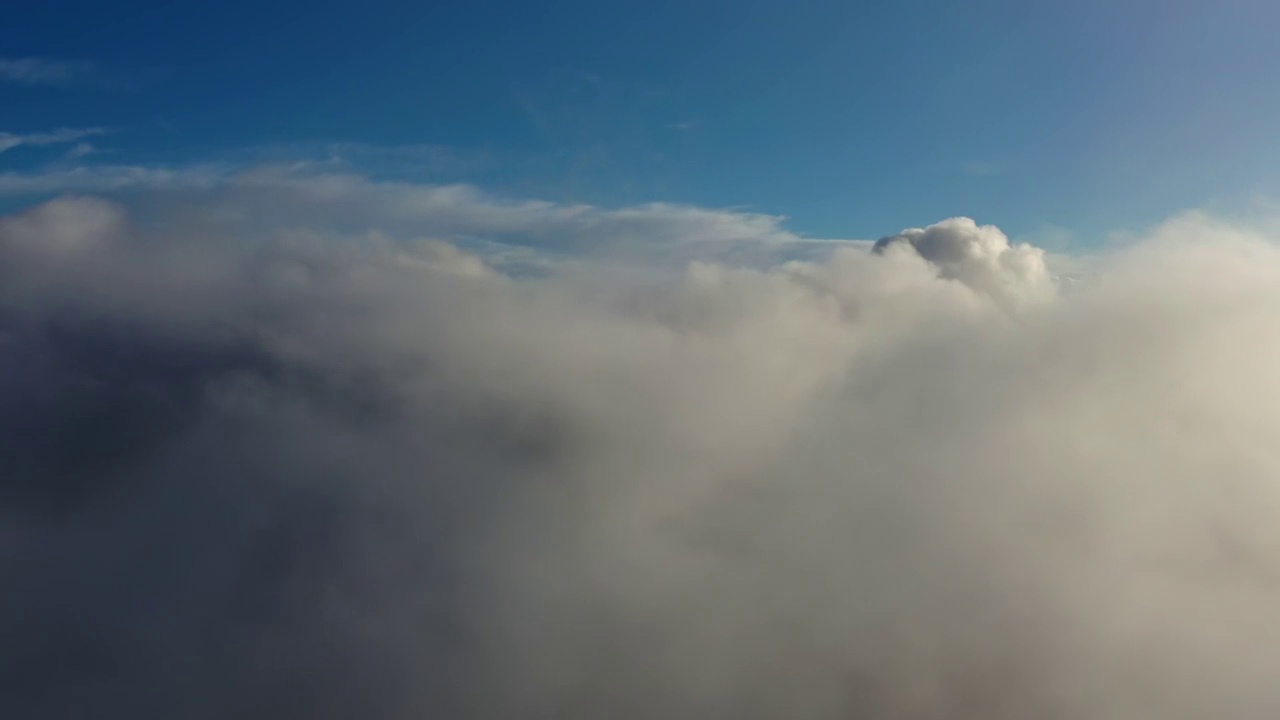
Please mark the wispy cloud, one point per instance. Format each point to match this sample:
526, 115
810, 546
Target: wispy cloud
426, 158
60, 136
81, 150
41, 71
109, 178
412, 160
164, 124
981, 168
464, 214
685, 125
67, 74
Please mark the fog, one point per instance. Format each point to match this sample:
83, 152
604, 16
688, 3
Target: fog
266, 454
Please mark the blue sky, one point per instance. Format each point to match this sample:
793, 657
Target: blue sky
852, 119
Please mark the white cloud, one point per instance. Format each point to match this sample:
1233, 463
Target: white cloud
979, 256
60, 136
109, 178
850, 486
981, 168
319, 437
41, 71
81, 150
684, 125
460, 213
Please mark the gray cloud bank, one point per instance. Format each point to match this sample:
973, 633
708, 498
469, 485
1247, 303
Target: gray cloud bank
262, 462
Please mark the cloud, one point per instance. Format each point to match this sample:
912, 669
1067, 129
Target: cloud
106, 178
60, 136
72, 74
978, 256
273, 450
432, 160
459, 213
405, 160
81, 150
40, 71
981, 168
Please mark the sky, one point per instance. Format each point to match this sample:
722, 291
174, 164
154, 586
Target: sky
739, 361
1063, 122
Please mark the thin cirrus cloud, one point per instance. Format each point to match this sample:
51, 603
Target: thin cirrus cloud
36, 71
81, 150
106, 178
71, 74
279, 444
60, 136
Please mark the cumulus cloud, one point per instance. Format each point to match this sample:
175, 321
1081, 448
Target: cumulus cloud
979, 256
271, 452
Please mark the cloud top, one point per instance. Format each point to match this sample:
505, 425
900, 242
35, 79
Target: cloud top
271, 449
979, 256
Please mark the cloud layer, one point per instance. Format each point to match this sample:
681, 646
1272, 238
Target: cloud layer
302, 449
